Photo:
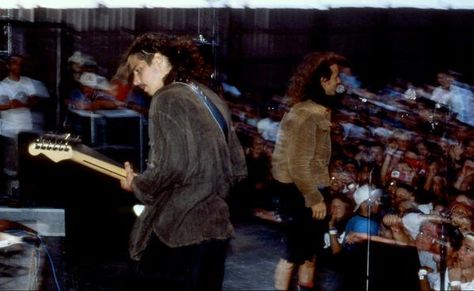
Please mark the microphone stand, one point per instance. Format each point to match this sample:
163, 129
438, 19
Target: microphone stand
367, 271
443, 256
369, 204
341, 89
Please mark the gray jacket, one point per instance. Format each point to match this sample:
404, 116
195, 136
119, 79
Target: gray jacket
190, 170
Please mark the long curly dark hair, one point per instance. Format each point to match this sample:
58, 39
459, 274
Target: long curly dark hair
305, 82
182, 52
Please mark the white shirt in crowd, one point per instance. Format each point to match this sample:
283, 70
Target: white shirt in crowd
459, 100
268, 129
435, 282
16, 120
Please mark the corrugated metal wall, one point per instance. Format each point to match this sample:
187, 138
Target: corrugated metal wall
259, 48
192, 20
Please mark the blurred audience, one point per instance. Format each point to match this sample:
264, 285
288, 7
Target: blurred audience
414, 144
92, 94
23, 103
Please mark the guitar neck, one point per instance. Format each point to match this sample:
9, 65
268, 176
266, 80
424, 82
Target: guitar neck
64, 147
99, 165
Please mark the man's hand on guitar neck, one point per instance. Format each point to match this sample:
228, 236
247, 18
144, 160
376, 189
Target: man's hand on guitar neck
126, 183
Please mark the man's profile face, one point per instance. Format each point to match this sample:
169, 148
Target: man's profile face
148, 77
330, 85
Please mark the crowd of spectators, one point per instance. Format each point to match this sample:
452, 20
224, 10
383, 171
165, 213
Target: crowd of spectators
409, 150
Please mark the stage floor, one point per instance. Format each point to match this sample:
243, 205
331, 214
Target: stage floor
251, 260
252, 257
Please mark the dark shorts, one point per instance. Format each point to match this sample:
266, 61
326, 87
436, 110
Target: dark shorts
303, 235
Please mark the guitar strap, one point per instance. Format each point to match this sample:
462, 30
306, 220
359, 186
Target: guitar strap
212, 108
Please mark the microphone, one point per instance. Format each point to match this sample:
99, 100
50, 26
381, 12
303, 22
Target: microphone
340, 89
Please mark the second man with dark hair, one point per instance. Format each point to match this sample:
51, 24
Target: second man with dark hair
300, 164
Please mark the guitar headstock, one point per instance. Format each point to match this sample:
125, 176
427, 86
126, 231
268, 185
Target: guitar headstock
57, 147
